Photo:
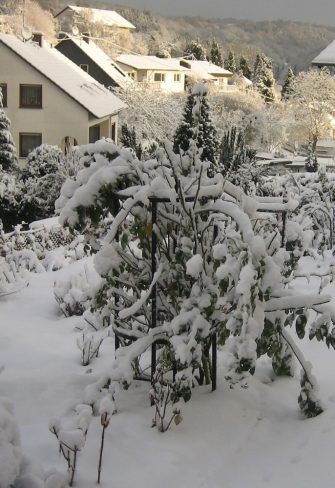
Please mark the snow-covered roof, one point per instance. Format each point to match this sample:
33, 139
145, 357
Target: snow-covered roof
205, 69
108, 17
96, 54
150, 62
327, 56
80, 86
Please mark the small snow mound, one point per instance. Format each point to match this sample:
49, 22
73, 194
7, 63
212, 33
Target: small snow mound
199, 89
194, 266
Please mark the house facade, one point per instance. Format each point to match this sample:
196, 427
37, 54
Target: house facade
217, 78
77, 16
164, 74
91, 58
50, 100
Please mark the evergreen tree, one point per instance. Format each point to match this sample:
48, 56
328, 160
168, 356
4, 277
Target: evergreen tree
263, 77
196, 50
215, 55
128, 139
287, 86
311, 163
230, 63
245, 69
8, 157
197, 125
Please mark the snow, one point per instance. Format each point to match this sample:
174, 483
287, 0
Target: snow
232, 437
108, 17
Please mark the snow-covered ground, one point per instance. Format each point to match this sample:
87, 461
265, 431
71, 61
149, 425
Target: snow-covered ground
231, 438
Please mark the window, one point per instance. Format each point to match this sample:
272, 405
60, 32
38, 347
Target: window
3, 87
159, 77
113, 131
28, 142
84, 67
94, 133
30, 96
176, 77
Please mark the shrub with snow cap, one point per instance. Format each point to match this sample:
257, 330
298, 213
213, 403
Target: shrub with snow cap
213, 275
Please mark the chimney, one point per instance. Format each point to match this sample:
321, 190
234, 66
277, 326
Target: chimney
38, 38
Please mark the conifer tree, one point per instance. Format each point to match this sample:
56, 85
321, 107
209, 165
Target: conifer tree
128, 139
311, 163
230, 63
196, 50
287, 86
8, 157
263, 77
215, 55
197, 125
244, 68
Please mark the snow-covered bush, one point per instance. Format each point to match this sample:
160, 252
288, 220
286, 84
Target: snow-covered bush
12, 275
212, 273
74, 295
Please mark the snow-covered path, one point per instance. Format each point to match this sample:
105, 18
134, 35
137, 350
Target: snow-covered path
230, 438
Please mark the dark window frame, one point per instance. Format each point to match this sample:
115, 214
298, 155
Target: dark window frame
3, 87
21, 136
24, 105
176, 77
85, 67
162, 77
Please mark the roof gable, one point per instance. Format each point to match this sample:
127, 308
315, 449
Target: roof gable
100, 58
71, 79
327, 56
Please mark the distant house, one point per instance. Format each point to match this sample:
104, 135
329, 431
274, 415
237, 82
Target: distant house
326, 58
51, 100
164, 74
89, 57
72, 16
216, 77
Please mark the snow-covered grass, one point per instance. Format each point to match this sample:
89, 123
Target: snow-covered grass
231, 438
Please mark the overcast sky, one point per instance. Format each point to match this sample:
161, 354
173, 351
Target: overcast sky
317, 11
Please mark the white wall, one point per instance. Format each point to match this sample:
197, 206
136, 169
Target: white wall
60, 116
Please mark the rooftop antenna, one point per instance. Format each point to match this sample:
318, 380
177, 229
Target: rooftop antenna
26, 33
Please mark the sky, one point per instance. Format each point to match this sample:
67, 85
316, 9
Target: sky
319, 12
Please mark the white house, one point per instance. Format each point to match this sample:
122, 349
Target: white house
216, 77
163, 74
51, 100
326, 57
74, 15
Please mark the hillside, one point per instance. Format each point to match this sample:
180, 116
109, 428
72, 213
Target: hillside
287, 43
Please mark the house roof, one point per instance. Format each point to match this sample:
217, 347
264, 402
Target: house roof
205, 69
150, 62
108, 17
96, 54
71, 79
327, 56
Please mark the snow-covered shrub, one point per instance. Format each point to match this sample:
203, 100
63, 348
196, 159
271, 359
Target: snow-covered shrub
72, 440
214, 274
164, 399
13, 276
75, 294
10, 450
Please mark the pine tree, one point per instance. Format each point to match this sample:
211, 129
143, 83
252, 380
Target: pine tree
128, 139
287, 86
311, 163
230, 63
215, 55
196, 50
197, 125
245, 69
263, 77
8, 157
